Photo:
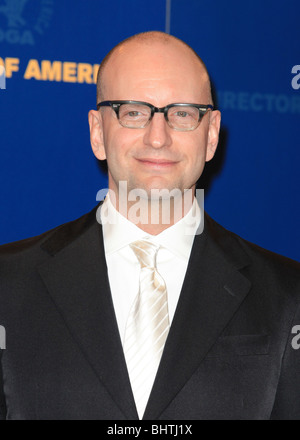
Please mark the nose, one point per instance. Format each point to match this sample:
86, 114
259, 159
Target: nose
157, 133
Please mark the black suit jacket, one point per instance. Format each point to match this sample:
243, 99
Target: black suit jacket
228, 355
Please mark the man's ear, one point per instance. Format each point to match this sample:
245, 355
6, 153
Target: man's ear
213, 134
96, 134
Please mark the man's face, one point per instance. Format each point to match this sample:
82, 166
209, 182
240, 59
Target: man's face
156, 156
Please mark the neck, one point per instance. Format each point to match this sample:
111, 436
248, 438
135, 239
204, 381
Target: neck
155, 215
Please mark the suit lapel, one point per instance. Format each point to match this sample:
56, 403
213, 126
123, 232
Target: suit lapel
213, 290
76, 278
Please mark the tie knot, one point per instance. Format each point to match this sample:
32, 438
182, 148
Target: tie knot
145, 252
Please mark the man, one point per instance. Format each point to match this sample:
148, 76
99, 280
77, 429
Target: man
127, 317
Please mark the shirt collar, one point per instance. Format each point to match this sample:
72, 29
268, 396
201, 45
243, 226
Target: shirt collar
119, 232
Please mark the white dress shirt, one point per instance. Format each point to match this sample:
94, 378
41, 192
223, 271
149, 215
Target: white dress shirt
124, 268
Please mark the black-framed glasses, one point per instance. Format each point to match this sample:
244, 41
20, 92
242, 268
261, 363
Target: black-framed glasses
138, 114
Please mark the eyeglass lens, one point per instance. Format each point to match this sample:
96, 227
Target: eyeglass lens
178, 117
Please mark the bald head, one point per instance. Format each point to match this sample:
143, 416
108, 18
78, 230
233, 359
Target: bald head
133, 47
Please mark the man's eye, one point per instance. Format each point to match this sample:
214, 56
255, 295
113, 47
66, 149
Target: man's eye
182, 114
133, 113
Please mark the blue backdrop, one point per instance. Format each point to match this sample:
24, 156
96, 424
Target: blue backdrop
51, 51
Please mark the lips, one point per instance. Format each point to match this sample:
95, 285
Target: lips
156, 163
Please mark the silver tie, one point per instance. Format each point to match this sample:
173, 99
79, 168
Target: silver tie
147, 326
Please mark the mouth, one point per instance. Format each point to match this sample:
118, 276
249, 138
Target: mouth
157, 163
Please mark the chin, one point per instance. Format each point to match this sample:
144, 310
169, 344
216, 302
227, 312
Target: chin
158, 192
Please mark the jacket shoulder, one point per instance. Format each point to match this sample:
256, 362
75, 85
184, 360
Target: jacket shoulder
261, 259
51, 240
